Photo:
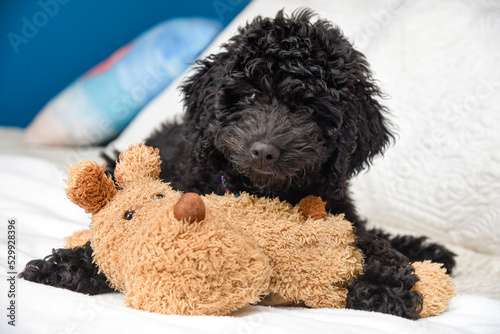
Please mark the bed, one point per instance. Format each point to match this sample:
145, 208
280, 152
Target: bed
437, 63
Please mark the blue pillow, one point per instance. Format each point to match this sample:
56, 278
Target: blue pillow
98, 106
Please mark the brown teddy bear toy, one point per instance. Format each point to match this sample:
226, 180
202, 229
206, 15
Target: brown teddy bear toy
184, 254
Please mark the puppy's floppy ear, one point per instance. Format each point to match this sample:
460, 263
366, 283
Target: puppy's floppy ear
198, 89
372, 127
364, 130
200, 100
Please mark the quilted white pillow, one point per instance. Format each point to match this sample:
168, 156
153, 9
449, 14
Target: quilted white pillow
439, 63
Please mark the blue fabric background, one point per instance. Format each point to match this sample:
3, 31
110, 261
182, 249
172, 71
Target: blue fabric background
47, 44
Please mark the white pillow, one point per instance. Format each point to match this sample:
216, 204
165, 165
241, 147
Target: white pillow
438, 61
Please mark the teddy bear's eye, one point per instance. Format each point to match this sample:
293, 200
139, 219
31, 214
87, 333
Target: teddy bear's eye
129, 215
159, 196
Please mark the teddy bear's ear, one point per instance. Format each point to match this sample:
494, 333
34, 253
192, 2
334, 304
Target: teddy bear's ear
313, 207
139, 161
89, 187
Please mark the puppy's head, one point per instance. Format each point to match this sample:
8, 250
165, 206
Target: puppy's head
288, 102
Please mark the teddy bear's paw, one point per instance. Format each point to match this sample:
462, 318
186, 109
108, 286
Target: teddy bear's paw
77, 239
325, 296
275, 299
435, 286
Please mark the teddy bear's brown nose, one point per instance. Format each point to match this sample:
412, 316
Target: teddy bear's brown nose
189, 208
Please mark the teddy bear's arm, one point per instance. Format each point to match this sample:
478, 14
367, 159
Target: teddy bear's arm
77, 239
324, 296
435, 286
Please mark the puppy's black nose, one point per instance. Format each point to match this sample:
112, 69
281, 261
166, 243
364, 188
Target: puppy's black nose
264, 153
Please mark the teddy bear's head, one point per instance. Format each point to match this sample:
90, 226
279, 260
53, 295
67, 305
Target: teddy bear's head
147, 238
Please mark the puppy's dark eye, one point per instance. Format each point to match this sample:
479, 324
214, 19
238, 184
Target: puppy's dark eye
129, 215
159, 196
250, 97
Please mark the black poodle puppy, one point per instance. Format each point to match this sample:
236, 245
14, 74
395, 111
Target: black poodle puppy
288, 109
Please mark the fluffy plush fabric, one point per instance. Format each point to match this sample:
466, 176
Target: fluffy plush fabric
434, 286
94, 182
77, 239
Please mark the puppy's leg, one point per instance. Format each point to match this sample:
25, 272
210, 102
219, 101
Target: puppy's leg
70, 269
414, 248
387, 281
420, 249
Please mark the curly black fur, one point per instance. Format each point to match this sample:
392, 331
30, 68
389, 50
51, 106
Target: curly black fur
70, 269
288, 109
386, 283
420, 249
